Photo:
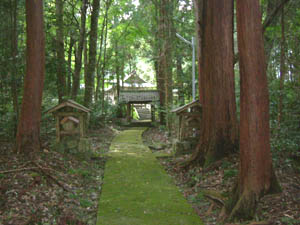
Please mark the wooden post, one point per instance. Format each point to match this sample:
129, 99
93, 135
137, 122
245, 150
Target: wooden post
179, 127
81, 126
57, 129
182, 133
152, 113
128, 112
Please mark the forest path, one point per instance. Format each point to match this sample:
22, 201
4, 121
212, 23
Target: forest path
137, 190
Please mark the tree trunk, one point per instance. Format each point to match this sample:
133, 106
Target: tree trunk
198, 7
90, 78
85, 60
117, 71
14, 64
103, 69
60, 51
165, 59
78, 58
180, 80
28, 134
282, 69
103, 33
256, 176
218, 136
70, 73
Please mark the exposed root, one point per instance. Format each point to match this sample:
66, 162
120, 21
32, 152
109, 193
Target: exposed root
245, 207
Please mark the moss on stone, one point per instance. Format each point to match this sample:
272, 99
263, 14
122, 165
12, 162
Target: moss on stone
137, 190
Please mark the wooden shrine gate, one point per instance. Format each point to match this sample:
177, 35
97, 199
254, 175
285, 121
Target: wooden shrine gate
131, 97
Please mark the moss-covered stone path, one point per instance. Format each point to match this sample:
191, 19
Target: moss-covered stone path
137, 190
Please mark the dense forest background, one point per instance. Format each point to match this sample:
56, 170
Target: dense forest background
128, 39
93, 45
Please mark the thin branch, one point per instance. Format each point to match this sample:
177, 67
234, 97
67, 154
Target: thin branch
271, 17
43, 170
18, 170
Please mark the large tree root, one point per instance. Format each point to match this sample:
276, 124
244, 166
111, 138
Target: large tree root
245, 207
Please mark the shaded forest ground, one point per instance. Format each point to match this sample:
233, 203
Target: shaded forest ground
53, 186
207, 190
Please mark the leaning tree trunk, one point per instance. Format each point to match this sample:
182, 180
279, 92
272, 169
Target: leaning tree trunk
256, 176
60, 51
218, 136
90, 78
28, 134
78, 58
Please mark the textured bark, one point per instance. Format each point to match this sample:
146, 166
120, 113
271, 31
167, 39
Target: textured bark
78, 58
256, 176
218, 136
165, 80
28, 134
60, 51
90, 78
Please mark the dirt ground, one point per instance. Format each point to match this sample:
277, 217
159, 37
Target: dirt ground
53, 186
208, 190
63, 187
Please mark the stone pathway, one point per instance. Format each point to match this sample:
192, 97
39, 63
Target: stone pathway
137, 190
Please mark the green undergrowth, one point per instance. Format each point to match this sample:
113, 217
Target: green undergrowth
137, 190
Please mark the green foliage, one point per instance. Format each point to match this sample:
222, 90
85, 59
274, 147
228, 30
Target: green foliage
196, 198
85, 203
81, 172
289, 221
230, 173
286, 138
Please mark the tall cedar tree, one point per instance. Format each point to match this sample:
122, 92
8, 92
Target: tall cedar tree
219, 126
102, 37
90, 76
14, 68
164, 69
28, 133
78, 58
70, 70
60, 50
256, 177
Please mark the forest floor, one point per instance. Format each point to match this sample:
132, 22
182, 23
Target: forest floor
51, 186
55, 187
208, 189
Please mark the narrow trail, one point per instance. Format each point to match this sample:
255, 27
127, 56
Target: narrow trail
137, 190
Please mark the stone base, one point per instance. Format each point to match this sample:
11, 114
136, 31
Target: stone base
184, 147
84, 145
73, 144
